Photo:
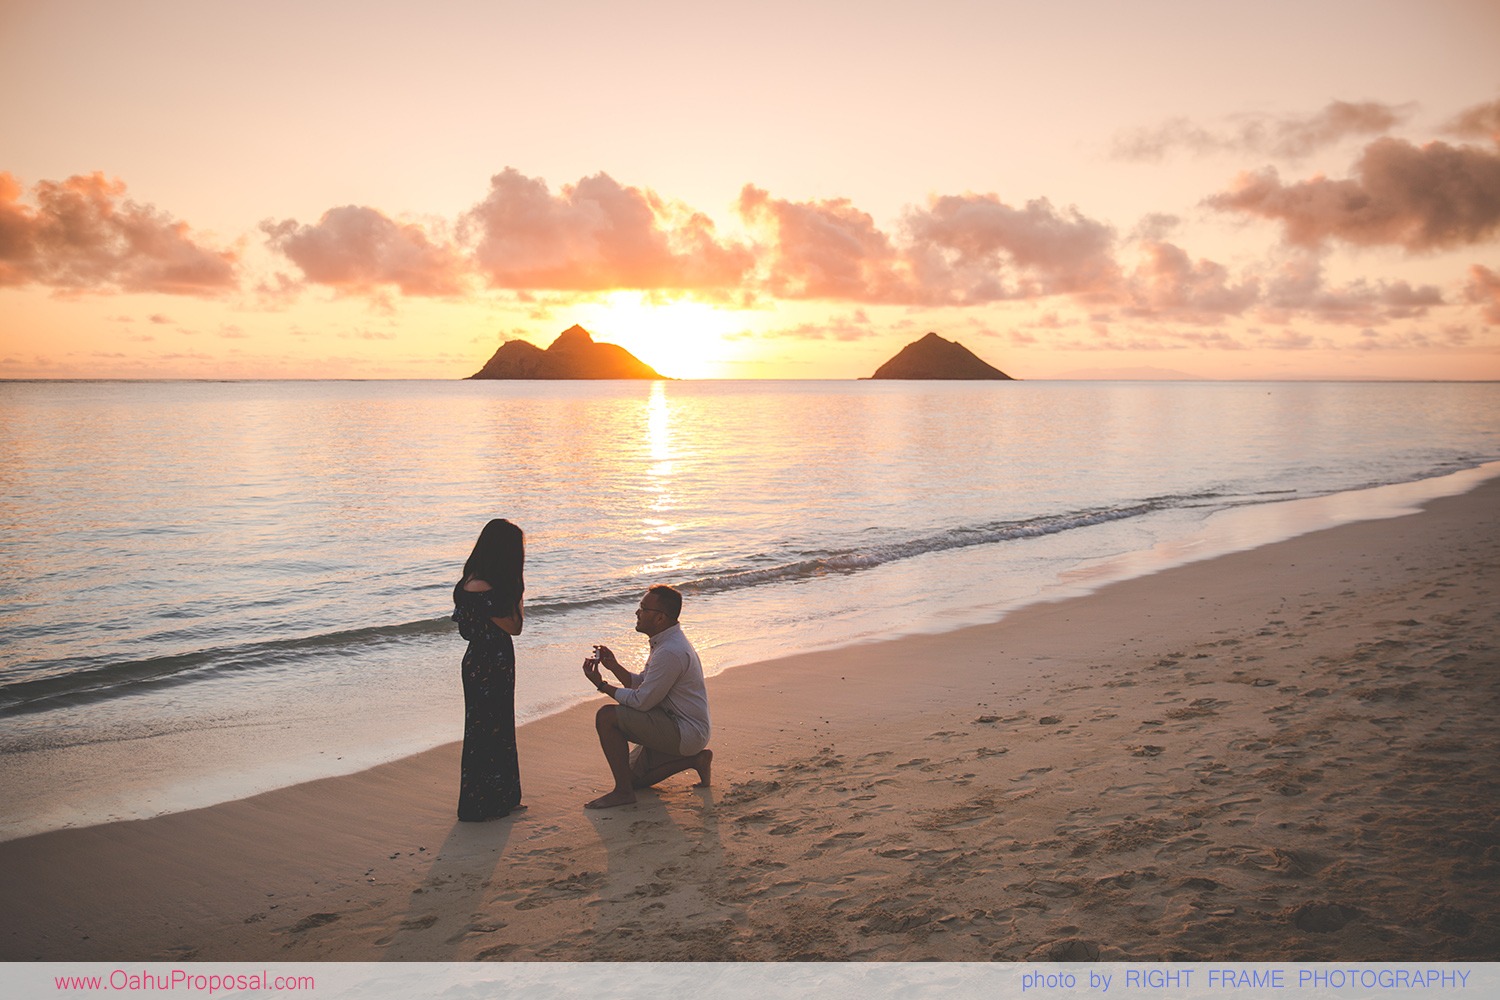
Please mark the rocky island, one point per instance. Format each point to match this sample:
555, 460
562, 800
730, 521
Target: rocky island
573, 355
932, 357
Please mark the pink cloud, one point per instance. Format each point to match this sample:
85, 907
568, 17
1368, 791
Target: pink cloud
1290, 340
1169, 283
1484, 290
1413, 339
967, 246
959, 250
855, 326
359, 249
596, 235
1298, 287
1421, 198
825, 250
82, 236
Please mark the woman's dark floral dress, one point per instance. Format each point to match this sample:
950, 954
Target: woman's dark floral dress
489, 782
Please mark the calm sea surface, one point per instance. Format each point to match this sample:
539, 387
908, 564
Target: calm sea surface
212, 588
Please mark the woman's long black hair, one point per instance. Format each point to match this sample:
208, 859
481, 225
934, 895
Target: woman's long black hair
499, 558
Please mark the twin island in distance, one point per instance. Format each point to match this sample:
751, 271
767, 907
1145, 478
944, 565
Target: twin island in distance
576, 355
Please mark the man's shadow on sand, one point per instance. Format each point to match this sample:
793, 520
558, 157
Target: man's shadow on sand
667, 843
437, 925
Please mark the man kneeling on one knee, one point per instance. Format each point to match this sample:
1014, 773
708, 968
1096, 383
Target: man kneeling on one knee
663, 710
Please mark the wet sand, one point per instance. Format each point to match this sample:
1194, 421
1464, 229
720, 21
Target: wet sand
1283, 754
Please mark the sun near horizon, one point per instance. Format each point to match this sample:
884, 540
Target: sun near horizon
679, 338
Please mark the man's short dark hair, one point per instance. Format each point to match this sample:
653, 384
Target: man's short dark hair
669, 599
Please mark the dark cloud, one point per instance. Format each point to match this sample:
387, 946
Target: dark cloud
1420, 198
1302, 136
596, 235
1482, 121
1288, 137
82, 236
358, 249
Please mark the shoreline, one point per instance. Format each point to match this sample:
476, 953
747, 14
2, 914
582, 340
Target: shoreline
195, 785
1280, 753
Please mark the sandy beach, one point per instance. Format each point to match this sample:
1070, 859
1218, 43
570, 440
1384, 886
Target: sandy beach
1282, 754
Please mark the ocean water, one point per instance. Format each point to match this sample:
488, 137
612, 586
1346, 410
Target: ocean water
213, 588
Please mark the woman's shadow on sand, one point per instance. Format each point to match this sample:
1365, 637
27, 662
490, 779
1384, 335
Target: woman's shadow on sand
437, 925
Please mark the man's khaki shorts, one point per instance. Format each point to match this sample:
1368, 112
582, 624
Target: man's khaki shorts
657, 737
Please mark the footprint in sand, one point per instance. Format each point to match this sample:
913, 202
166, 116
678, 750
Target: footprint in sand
419, 923
839, 838
748, 791
1320, 918
312, 920
974, 811
1069, 950
481, 928
574, 886
759, 816
1053, 889
1199, 708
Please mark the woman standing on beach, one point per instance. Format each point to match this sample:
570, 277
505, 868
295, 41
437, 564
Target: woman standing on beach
487, 607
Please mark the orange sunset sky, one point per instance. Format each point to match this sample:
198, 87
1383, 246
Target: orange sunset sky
776, 190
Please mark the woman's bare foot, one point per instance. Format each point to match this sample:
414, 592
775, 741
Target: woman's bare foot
703, 764
485, 819
616, 798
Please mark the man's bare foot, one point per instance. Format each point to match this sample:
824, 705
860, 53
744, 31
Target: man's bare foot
611, 800
703, 764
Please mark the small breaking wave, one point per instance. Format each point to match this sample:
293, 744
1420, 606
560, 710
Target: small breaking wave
76, 681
